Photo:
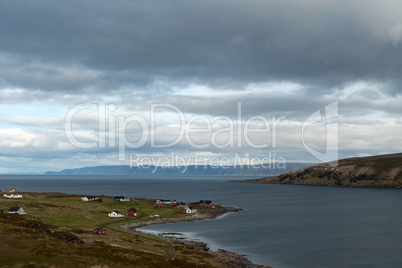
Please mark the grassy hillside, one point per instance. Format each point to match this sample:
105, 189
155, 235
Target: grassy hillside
384, 171
52, 235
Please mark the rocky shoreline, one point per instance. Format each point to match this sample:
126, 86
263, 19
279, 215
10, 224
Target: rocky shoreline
212, 214
231, 259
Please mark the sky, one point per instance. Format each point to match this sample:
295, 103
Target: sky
91, 83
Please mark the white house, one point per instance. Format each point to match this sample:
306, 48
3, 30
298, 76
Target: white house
89, 198
191, 211
122, 198
12, 195
18, 210
165, 201
116, 214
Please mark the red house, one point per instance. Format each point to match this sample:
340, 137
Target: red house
173, 205
158, 206
131, 212
99, 231
182, 212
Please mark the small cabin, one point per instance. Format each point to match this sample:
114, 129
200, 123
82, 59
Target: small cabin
158, 206
121, 198
89, 198
18, 210
12, 195
131, 212
166, 201
191, 211
115, 214
99, 231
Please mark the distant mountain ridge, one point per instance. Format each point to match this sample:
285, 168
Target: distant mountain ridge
382, 171
194, 170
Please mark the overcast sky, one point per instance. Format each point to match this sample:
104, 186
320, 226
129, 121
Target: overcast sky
274, 63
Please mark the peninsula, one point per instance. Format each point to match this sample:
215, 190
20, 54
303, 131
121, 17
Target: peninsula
381, 171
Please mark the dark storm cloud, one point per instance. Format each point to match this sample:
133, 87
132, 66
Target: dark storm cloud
278, 58
323, 44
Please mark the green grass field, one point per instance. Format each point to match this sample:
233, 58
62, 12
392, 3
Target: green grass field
51, 235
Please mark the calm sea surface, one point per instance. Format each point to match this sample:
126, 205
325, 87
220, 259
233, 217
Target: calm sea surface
282, 225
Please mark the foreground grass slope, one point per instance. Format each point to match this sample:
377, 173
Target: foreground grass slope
52, 235
383, 171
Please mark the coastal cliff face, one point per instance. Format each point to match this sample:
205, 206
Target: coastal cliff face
383, 171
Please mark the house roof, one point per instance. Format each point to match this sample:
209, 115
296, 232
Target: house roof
98, 229
14, 209
132, 209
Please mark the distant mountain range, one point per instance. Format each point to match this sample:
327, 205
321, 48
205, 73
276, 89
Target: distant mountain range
244, 170
384, 171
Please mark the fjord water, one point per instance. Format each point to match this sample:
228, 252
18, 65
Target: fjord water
282, 225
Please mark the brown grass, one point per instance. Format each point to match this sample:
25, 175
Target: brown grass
51, 235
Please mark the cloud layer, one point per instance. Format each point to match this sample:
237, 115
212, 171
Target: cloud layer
278, 58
